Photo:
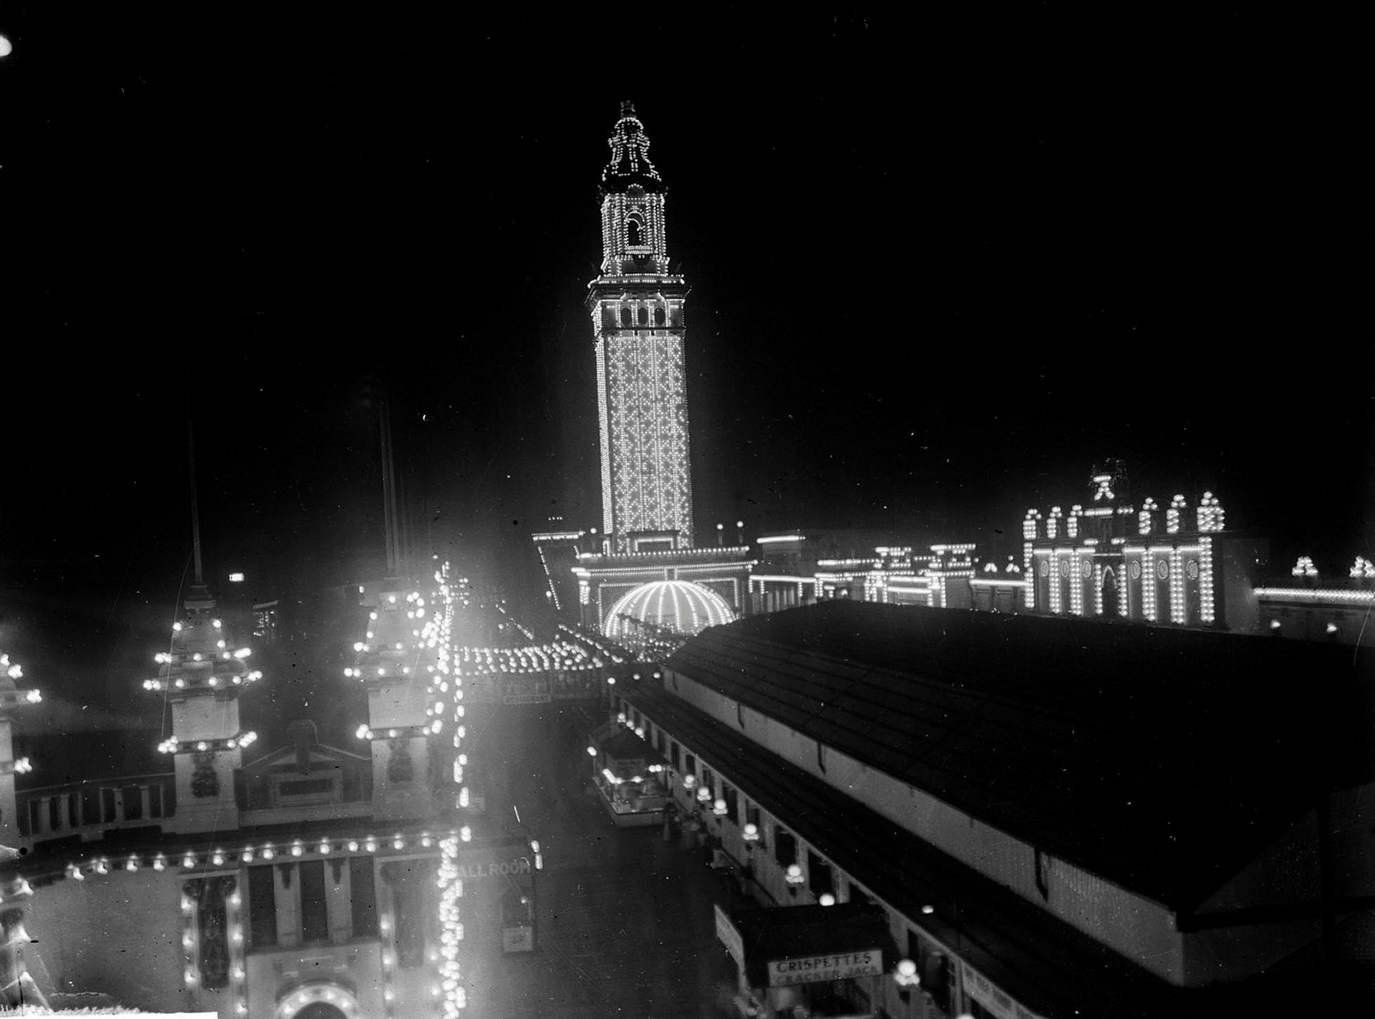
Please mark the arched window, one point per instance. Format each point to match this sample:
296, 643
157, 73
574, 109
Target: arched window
659, 316
644, 316
632, 232
625, 316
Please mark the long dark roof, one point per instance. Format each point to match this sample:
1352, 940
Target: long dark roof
1161, 759
1028, 952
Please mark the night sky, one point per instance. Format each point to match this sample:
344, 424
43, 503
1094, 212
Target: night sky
935, 278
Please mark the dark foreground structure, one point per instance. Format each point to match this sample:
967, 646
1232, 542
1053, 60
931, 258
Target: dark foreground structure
1054, 817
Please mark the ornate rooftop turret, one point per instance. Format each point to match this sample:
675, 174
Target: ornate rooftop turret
201, 658
397, 663
202, 674
11, 700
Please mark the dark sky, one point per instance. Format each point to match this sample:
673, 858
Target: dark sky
937, 271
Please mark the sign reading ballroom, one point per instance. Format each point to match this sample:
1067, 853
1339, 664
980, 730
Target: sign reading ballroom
496, 868
818, 968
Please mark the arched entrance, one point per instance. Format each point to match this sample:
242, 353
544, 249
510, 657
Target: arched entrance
1108, 596
318, 1001
319, 1010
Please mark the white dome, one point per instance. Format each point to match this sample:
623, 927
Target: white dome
673, 604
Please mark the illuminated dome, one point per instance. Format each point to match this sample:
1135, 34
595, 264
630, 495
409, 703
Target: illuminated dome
673, 604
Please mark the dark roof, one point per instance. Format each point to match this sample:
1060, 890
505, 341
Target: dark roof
1028, 952
1162, 759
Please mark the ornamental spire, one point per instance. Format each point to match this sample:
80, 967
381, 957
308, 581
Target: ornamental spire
630, 163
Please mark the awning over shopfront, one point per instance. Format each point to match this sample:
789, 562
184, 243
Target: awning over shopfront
808, 944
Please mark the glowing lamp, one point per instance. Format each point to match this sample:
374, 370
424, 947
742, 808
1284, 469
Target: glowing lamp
827, 899
905, 976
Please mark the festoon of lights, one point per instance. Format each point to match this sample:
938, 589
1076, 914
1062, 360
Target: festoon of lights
12, 699
608, 651
1303, 567
449, 680
201, 662
569, 653
1362, 569
561, 655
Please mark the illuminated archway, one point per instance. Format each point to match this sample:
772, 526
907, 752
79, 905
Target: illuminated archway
319, 1001
675, 605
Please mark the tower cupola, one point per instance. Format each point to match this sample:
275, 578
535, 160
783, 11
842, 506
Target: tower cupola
630, 165
632, 195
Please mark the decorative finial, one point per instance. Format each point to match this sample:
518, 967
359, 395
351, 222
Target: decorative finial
627, 108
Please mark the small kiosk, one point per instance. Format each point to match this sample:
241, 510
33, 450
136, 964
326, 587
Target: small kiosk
630, 775
824, 962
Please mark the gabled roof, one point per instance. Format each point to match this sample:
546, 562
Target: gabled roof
1161, 759
320, 756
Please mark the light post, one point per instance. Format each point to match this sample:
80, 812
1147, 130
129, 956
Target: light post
536, 865
750, 834
720, 535
740, 533
905, 976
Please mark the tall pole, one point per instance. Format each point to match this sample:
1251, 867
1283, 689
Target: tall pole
195, 512
389, 492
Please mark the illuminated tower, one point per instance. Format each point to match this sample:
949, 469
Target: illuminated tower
637, 310
393, 663
202, 675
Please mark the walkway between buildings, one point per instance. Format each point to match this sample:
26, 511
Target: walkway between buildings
624, 925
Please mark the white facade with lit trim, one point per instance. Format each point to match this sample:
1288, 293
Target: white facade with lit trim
1109, 558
